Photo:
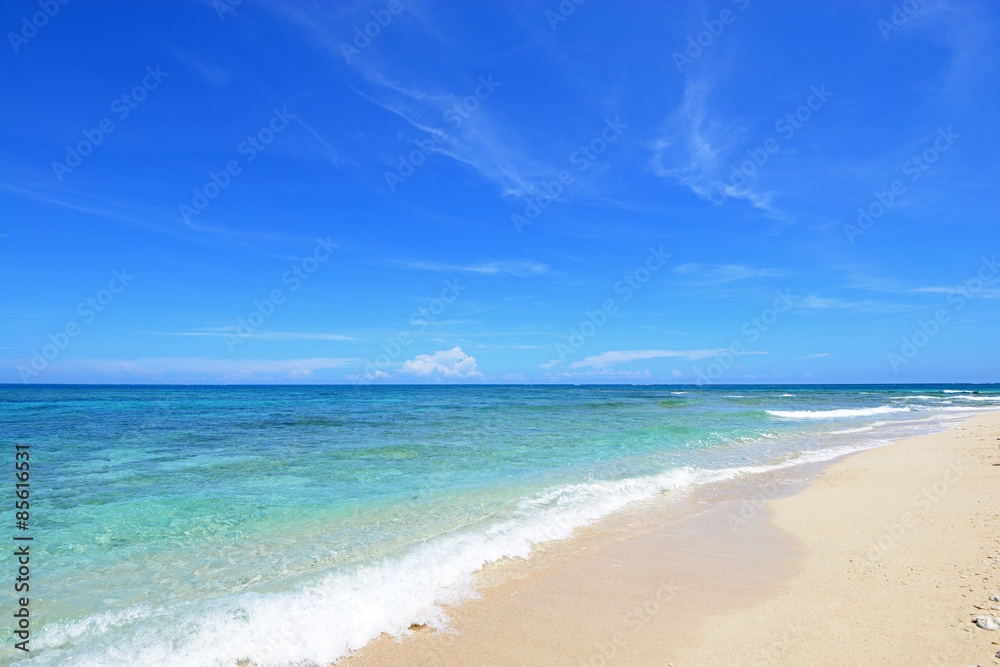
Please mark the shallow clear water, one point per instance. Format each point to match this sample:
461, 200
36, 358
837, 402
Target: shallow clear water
202, 525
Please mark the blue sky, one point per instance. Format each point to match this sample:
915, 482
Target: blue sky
302, 192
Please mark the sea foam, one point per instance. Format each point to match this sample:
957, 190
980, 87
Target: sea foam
845, 413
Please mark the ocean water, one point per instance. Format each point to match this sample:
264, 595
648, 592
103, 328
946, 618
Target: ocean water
181, 525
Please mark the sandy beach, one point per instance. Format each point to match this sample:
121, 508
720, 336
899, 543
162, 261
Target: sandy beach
884, 557
392, 333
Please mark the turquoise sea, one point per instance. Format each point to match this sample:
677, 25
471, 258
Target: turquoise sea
198, 525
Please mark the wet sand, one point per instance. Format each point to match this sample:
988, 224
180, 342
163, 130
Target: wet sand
883, 557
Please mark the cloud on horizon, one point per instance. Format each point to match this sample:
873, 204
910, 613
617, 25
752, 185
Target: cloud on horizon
453, 363
623, 356
180, 369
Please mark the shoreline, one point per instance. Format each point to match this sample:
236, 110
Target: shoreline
741, 575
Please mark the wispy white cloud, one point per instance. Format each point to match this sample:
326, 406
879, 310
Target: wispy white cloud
966, 31
141, 217
860, 278
482, 141
724, 273
815, 356
521, 268
986, 293
329, 152
214, 74
509, 347
622, 356
259, 335
200, 369
601, 373
816, 302
697, 151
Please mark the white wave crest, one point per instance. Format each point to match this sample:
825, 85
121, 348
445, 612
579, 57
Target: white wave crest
844, 413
